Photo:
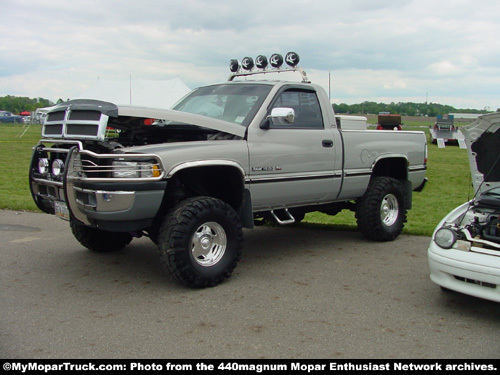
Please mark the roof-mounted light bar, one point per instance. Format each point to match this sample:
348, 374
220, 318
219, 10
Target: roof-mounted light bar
246, 68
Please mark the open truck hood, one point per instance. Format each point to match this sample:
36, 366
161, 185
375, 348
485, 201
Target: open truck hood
483, 147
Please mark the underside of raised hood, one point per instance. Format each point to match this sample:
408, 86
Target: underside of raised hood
483, 146
84, 119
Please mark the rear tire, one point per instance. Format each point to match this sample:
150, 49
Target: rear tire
100, 241
381, 212
200, 242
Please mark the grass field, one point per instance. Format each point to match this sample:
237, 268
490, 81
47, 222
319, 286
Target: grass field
448, 186
15, 155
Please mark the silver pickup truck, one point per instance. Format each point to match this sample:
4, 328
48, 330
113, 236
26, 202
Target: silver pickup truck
227, 156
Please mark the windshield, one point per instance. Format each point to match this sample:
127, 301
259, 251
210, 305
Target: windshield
235, 103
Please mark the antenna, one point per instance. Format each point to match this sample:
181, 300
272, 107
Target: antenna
329, 86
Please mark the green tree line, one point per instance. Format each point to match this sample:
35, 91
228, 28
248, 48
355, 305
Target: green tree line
17, 104
406, 109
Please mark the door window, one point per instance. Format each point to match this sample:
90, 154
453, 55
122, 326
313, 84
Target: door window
306, 106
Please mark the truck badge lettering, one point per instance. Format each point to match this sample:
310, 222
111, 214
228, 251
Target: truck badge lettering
266, 169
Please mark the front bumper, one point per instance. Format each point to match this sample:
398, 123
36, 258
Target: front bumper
466, 272
126, 208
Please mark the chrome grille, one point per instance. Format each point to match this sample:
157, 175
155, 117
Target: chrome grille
56, 116
76, 124
85, 115
82, 129
54, 129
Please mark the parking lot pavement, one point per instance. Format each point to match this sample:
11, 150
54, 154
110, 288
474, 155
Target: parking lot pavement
298, 292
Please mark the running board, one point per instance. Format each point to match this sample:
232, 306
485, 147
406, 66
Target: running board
289, 219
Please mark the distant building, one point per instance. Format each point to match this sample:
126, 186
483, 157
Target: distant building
467, 116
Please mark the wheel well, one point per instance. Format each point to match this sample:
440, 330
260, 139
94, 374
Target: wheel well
391, 167
222, 182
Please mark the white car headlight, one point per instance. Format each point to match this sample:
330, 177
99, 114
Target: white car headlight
135, 169
445, 238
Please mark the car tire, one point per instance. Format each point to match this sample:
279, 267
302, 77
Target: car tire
200, 241
381, 212
100, 241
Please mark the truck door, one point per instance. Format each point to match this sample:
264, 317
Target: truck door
293, 163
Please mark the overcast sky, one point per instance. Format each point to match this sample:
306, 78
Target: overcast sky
445, 51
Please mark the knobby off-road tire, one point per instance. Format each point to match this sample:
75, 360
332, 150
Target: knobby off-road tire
381, 212
100, 241
200, 242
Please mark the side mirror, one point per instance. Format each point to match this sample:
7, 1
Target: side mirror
280, 117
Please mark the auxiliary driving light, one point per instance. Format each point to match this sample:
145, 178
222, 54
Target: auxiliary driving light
261, 62
292, 59
43, 165
276, 60
234, 65
57, 167
247, 63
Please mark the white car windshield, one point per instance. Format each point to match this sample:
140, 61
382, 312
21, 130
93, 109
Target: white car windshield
235, 103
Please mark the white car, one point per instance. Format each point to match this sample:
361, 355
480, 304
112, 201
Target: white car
464, 253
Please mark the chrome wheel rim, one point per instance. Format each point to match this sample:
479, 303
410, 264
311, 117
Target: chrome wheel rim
208, 244
389, 209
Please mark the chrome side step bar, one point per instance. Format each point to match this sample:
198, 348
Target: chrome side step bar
288, 218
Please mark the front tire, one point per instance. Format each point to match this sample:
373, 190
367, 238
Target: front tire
200, 242
381, 212
100, 241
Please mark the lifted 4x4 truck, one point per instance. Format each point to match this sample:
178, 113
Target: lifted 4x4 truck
226, 157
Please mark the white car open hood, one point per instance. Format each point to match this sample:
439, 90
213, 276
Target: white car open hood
483, 146
182, 117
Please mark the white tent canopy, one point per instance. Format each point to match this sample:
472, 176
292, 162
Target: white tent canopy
138, 92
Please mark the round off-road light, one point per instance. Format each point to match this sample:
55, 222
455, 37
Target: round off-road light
445, 238
247, 63
261, 62
292, 59
276, 60
57, 167
234, 65
43, 165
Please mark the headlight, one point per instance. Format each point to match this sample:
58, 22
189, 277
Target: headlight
57, 167
135, 169
445, 238
43, 165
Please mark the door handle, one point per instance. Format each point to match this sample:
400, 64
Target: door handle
327, 143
